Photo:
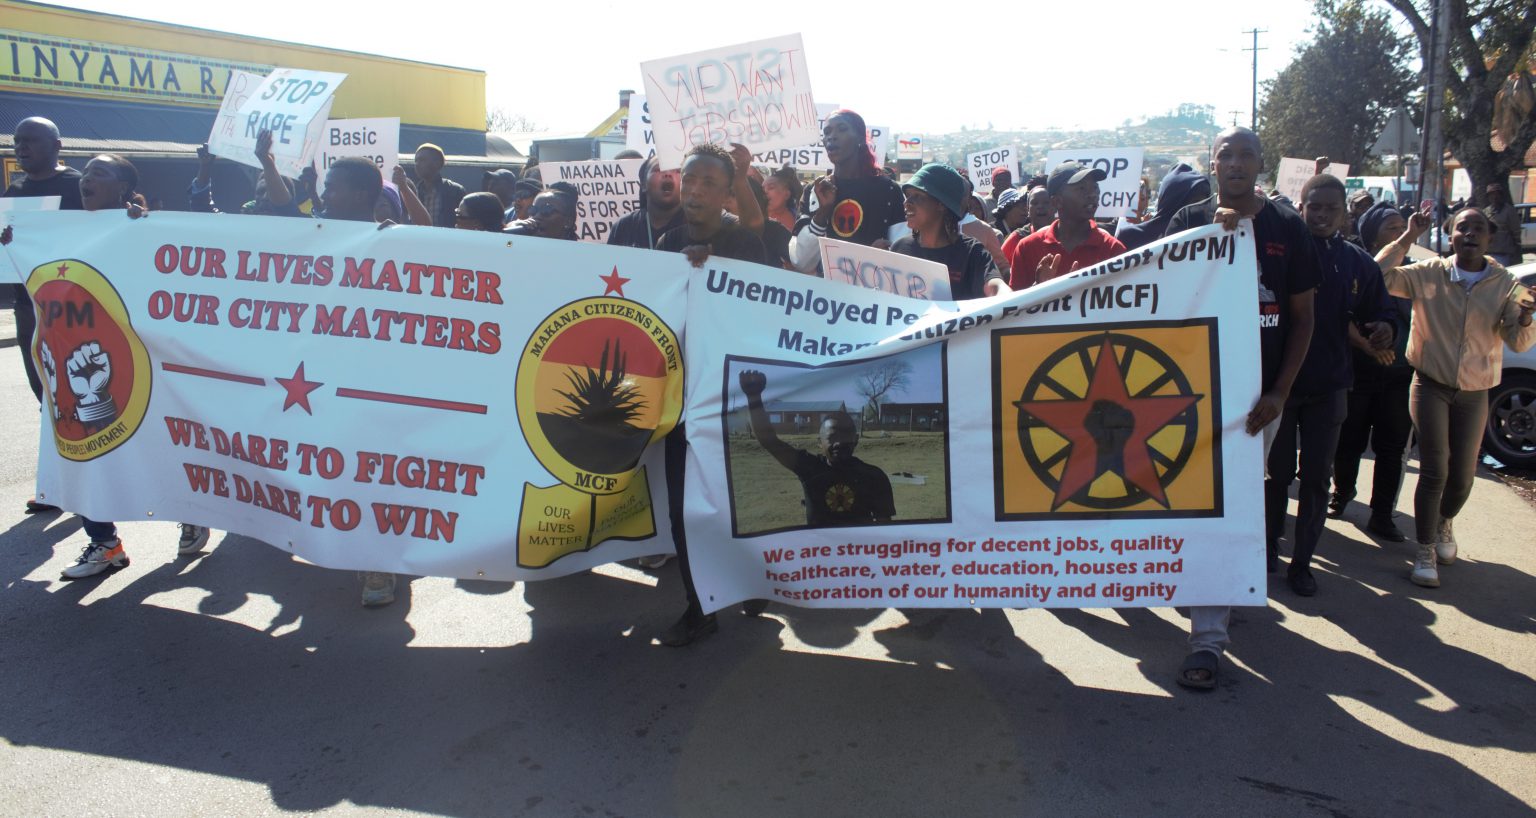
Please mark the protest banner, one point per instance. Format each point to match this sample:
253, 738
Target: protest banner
292, 103
1077, 444
1293, 174
610, 188
909, 147
894, 273
756, 94
11, 203
425, 401
981, 164
376, 139
1122, 176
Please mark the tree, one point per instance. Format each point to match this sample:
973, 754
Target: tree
1491, 51
1334, 97
879, 380
500, 120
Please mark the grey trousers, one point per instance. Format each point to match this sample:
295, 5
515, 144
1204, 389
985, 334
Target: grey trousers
1449, 423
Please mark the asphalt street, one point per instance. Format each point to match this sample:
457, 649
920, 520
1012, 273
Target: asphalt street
245, 683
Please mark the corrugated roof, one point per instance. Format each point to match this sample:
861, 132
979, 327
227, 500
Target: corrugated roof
806, 406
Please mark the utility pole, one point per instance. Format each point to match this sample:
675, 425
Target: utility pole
1234, 117
1254, 120
1432, 155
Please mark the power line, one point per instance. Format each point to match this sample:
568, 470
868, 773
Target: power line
1254, 120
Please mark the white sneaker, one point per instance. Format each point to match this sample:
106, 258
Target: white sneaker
378, 589
1445, 547
97, 558
1424, 572
193, 538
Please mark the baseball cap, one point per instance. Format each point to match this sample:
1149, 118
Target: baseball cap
1070, 173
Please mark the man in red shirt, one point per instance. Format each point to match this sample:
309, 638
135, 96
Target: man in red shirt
1073, 241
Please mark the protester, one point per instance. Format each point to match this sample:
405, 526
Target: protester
1182, 185
438, 195
933, 208
1349, 296
1504, 246
856, 203
503, 183
1011, 212
1466, 308
661, 209
551, 216
1359, 202
708, 230
352, 188
973, 223
109, 182
1040, 214
1071, 242
1002, 181
783, 190
415, 210
37, 146
479, 211
708, 179
1288, 276
523, 193
275, 195
1378, 399
775, 237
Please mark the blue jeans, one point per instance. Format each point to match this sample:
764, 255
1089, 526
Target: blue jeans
98, 532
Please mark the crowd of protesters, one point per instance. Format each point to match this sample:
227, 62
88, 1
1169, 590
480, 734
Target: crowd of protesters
1355, 347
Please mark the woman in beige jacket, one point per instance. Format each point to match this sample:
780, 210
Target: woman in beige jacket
1466, 308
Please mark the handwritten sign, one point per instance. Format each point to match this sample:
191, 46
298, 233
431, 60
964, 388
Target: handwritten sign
757, 94
1122, 176
376, 139
883, 270
292, 103
981, 164
1292, 176
609, 188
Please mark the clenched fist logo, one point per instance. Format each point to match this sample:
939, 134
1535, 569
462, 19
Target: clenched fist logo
51, 370
89, 369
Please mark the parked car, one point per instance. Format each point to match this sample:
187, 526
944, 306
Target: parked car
1511, 434
1527, 227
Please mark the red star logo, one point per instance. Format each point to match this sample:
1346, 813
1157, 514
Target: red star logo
615, 283
298, 390
1107, 430
63, 268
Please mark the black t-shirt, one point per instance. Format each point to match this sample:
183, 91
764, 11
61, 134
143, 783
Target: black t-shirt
776, 244
970, 265
634, 230
730, 241
1287, 266
866, 208
855, 493
65, 184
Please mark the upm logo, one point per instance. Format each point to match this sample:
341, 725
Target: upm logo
95, 368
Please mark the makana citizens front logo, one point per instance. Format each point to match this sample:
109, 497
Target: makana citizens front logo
95, 370
599, 381
1107, 424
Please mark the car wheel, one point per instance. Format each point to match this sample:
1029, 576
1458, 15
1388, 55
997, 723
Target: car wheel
1511, 434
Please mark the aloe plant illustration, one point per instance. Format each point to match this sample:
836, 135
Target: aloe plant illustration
603, 398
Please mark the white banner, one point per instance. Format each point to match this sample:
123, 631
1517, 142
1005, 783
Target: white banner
1122, 176
1078, 444
610, 188
981, 164
376, 139
884, 270
757, 94
292, 103
413, 399
1293, 174
638, 134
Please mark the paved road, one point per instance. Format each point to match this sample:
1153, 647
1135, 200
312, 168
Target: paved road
244, 683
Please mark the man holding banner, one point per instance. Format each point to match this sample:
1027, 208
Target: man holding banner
1288, 278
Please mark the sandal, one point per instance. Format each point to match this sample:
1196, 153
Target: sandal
1194, 664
